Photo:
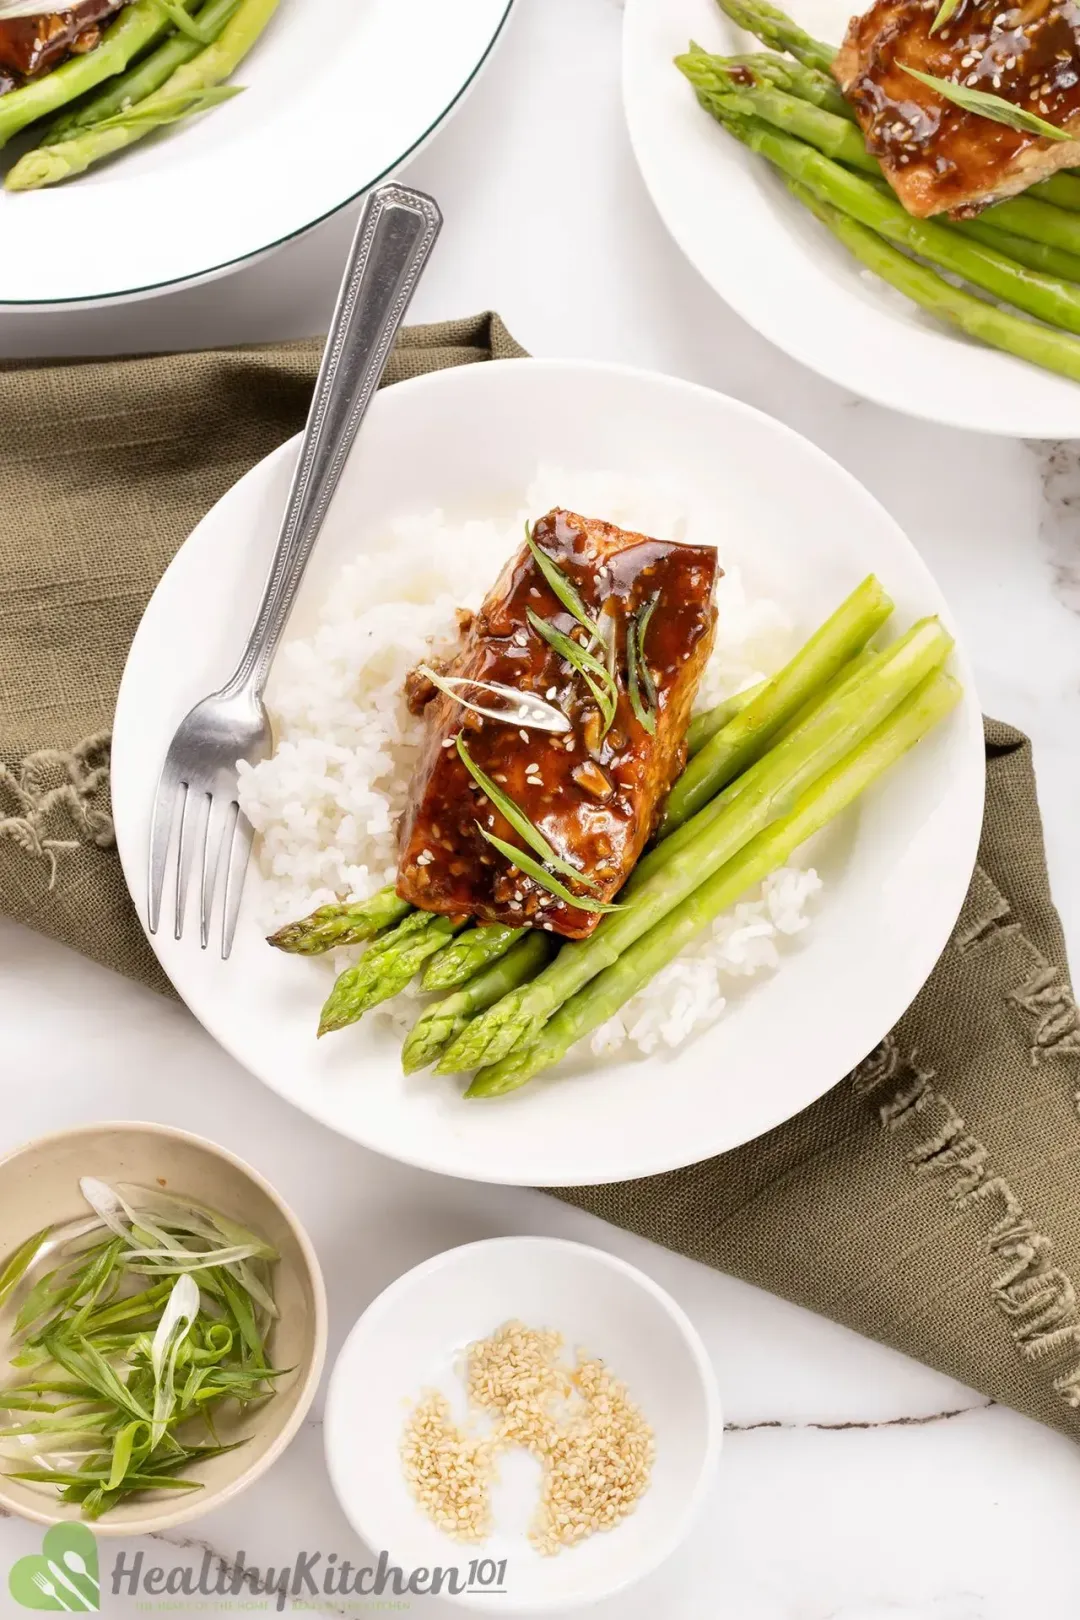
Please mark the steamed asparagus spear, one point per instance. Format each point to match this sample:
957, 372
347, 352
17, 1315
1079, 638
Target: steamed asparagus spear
710, 721
1013, 334
1052, 261
347, 922
839, 683
468, 955
780, 32
196, 82
832, 793
136, 28
745, 739
704, 726
836, 136
810, 84
148, 75
738, 106
777, 30
386, 967
443, 1022
1062, 189
763, 795
1053, 301
805, 719
1038, 221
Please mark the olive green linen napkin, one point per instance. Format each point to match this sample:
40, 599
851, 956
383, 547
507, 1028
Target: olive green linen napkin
931, 1200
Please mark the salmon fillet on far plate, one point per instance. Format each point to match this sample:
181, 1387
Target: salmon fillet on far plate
936, 156
32, 45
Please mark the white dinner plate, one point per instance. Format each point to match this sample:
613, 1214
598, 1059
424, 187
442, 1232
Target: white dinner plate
783, 271
469, 441
338, 93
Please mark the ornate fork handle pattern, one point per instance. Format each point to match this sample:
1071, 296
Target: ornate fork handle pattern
398, 234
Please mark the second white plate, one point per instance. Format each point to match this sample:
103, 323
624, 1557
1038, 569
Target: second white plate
783, 272
337, 94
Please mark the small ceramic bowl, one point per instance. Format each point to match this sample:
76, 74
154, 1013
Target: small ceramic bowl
410, 1340
39, 1186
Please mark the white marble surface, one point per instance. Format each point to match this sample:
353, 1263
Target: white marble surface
855, 1484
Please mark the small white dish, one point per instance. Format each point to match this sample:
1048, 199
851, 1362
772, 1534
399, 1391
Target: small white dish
337, 95
410, 1340
783, 271
469, 441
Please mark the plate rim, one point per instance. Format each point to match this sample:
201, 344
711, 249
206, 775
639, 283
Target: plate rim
854, 1050
931, 406
228, 266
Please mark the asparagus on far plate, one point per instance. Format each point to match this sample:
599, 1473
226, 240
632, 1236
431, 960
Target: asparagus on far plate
149, 73
1048, 299
138, 26
1022, 251
197, 84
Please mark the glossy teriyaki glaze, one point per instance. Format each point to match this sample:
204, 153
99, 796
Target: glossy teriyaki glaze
936, 155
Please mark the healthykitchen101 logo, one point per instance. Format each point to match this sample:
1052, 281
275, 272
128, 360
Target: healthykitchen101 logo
62, 1576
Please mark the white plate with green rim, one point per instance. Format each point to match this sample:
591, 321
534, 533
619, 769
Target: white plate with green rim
895, 868
338, 94
782, 271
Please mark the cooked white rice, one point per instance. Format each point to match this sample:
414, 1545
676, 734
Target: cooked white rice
326, 803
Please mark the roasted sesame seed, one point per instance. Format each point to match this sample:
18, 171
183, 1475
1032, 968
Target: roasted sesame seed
594, 1447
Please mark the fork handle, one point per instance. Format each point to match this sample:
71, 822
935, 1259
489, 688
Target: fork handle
395, 236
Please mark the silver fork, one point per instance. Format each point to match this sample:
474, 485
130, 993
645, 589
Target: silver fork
397, 232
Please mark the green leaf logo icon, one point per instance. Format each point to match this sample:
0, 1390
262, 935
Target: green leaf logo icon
63, 1576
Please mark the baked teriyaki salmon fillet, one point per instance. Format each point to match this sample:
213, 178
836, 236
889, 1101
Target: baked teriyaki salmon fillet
595, 795
936, 156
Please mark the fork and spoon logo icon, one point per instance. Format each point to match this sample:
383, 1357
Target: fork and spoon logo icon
62, 1576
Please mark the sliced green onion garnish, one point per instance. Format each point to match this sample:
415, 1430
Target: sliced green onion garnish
640, 684
945, 11
126, 1378
592, 670
560, 584
515, 815
15, 1268
644, 614
986, 105
525, 863
520, 708
170, 109
645, 716
183, 23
